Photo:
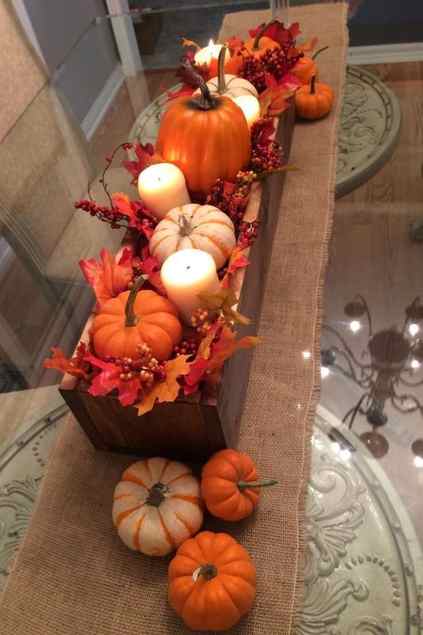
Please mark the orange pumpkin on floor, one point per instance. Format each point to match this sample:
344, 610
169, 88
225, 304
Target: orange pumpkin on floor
212, 582
207, 137
230, 486
156, 506
134, 318
314, 101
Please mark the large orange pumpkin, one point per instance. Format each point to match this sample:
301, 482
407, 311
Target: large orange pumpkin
212, 582
134, 318
230, 486
207, 137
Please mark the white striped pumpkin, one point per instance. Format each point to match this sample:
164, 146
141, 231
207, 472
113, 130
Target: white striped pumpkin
194, 226
157, 506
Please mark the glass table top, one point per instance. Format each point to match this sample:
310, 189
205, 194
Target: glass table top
64, 115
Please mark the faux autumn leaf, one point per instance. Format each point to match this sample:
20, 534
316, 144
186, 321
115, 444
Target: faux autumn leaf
308, 46
108, 278
238, 260
224, 302
224, 348
168, 389
145, 156
234, 43
135, 211
150, 266
190, 43
276, 31
109, 379
73, 366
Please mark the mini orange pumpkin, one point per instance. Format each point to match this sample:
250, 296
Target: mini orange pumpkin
314, 101
134, 318
230, 485
260, 44
207, 137
306, 68
212, 582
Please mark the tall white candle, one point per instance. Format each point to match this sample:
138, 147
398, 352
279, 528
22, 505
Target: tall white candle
185, 275
209, 53
250, 106
162, 187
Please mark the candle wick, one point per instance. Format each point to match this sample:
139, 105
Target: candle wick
188, 267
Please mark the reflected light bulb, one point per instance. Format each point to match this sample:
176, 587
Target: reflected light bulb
418, 461
355, 326
415, 364
306, 354
324, 372
413, 329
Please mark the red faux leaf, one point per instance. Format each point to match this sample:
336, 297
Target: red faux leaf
234, 43
278, 32
273, 101
150, 266
262, 132
135, 211
146, 155
108, 278
74, 366
109, 379
195, 375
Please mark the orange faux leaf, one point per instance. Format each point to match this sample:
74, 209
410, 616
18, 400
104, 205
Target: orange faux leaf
73, 366
273, 101
188, 43
224, 348
168, 389
107, 277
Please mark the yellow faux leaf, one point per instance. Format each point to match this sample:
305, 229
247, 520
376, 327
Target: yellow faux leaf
168, 389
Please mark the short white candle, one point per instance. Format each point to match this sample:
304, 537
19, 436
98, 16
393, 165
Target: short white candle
185, 275
210, 52
162, 187
250, 106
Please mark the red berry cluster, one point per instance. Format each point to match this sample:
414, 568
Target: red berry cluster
267, 158
232, 198
279, 61
248, 233
145, 368
187, 346
254, 71
103, 213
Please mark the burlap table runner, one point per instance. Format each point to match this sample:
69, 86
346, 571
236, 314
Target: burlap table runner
73, 575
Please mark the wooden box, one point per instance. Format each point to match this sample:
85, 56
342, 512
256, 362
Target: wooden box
190, 428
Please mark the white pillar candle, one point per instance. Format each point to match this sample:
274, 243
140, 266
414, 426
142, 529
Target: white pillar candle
185, 275
162, 187
250, 106
209, 53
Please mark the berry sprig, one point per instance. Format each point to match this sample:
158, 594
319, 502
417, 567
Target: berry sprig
146, 368
201, 321
248, 233
188, 346
253, 70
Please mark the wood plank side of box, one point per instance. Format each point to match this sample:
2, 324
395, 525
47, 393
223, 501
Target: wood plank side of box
193, 429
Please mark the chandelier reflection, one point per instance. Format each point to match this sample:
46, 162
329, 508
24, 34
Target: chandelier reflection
388, 370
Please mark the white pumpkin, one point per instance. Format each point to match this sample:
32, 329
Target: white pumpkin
232, 86
157, 506
194, 226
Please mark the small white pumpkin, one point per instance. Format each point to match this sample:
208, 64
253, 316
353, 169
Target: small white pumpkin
194, 226
157, 506
232, 86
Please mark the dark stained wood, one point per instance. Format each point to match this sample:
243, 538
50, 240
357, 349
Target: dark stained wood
187, 429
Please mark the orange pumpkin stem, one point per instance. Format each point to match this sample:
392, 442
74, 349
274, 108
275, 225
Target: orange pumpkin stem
266, 482
260, 34
313, 85
208, 571
318, 52
185, 228
130, 317
221, 84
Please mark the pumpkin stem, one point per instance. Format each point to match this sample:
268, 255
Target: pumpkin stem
318, 52
206, 102
313, 85
221, 84
266, 482
156, 495
260, 34
208, 571
184, 225
130, 317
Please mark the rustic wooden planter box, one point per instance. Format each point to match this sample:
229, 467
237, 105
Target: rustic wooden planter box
193, 428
